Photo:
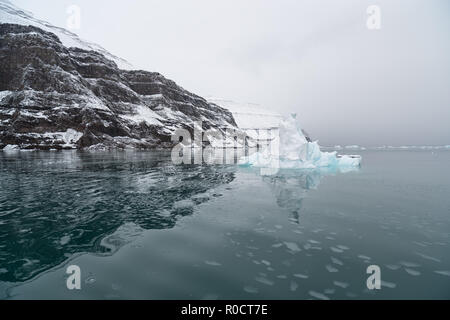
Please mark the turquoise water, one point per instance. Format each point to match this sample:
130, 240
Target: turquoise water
142, 228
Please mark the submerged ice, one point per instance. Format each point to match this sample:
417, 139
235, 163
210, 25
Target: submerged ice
291, 149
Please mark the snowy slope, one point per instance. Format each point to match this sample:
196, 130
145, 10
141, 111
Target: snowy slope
258, 123
9, 13
249, 116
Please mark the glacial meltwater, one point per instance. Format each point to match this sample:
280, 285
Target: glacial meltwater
139, 227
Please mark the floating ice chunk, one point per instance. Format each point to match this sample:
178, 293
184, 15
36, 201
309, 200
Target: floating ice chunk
387, 284
213, 263
265, 281
329, 291
267, 263
301, 276
64, 240
428, 257
318, 295
90, 280
392, 266
408, 264
443, 272
412, 272
294, 151
210, 296
340, 284
349, 161
293, 286
250, 289
337, 261
337, 250
331, 269
292, 246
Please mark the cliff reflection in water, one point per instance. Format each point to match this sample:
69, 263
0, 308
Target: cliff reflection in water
56, 204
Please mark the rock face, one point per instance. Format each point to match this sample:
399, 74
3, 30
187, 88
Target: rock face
54, 97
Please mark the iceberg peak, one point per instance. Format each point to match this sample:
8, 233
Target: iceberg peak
292, 149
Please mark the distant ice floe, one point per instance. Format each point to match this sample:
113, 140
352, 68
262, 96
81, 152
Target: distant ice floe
443, 147
294, 151
411, 147
349, 147
354, 147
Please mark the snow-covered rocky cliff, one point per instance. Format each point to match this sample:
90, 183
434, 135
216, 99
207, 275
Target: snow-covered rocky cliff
56, 97
10, 13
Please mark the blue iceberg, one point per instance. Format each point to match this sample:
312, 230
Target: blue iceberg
290, 149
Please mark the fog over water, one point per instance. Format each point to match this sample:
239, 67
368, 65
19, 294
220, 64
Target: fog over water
349, 84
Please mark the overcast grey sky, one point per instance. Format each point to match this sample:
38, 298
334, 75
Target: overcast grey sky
349, 84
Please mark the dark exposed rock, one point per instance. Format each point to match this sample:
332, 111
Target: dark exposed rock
54, 97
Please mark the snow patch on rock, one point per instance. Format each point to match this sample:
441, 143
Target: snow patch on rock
4, 94
144, 114
70, 137
11, 148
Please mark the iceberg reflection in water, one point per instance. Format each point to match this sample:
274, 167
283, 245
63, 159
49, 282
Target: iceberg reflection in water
291, 186
140, 227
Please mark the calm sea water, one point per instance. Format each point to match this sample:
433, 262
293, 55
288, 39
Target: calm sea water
142, 228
